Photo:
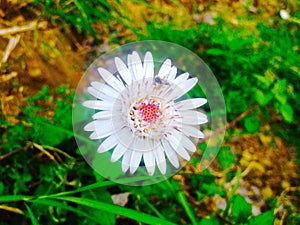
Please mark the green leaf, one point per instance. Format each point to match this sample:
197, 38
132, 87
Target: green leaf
263, 98
31, 215
241, 210
225, 158
252, 124
212, 189
50, 135
279, 91
266, 218
267, 81
10, 198
187, 208
212, 220
215, 51
132, 214
287, 112
1, 187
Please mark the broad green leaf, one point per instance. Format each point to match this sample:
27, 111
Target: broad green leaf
263, 98
287, 112
132, 214
266, 218
252, 124
31, 215
241, 210
225, 158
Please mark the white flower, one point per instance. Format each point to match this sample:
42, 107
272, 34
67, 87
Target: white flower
284, 14
139, 117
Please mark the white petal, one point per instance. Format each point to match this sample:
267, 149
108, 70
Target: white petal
118, 152
170, 153
188, 144
108, 144
176, 145
126, 161
102, 115
102, 128
184, 140
192, 131
99, 105
148, 65
143, 145
149, 162
136, 65
181, 78
190, 103
165, 69
96, 124
125, 136
103, 132
123, 70
107, 90
160, 159
183, 88
135, 161
111, 79
172, 73
100, 95
193, 117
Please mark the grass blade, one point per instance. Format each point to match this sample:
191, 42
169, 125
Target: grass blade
31, 215
14, 198
50, 202
130, 213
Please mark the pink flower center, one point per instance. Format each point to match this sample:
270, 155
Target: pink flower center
150, 111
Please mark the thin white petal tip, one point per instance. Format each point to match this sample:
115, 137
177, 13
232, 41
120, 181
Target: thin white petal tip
150, 170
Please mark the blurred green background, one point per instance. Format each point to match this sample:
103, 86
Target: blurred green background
254, 53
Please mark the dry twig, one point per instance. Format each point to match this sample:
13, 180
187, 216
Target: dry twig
18, 29
13, 41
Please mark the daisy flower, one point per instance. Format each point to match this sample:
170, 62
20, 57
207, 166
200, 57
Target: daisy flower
140, 114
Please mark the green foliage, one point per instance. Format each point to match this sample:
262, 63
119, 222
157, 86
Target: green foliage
80, 15
266, 218
241, 210
58, 187
225, 157
31, 215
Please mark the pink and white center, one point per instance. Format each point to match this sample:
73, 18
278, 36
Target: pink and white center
145, 116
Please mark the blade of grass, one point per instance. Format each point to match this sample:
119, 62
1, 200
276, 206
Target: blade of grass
50, 202
11, 209
129, 213
186, 206
181, 198
14, 198
31, 215
152, 207
97, 185
85, 18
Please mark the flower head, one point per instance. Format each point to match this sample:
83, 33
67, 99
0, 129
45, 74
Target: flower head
284, 14
139, 115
